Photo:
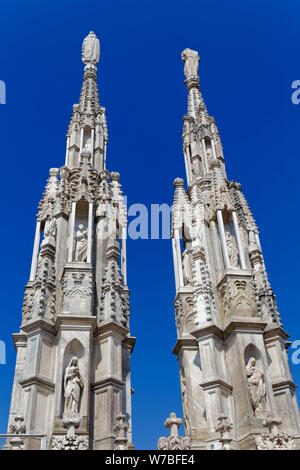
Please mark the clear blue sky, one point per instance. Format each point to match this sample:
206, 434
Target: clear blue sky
249, 56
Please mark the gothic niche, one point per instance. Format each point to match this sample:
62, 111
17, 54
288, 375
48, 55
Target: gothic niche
87, 141
256, 381
209, 152
73, 383
230, 240
232, 249
196, 155
81, 232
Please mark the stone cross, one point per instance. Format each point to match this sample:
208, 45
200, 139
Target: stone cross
173, 442
173, 423
274, 439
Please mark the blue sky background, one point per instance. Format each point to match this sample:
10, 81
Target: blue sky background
249, 57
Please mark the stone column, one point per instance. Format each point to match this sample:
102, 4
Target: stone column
239, 241
187, 160
92, 146
71, 233
258, 241
123, 255
213, 149
104, 156
217, 246
204, 155
81, 141
223, 239
67, 151
90, 232
175, 264
35, 251
178, 258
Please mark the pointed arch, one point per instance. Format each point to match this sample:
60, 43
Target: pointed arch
252, 351
73, 348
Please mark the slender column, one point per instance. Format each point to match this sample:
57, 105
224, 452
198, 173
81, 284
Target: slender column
213, 148
238, 239
217, 246
35, 251
204, 155
223, 239
178, 257
67, 151
90, 233
71, 234
104, 156
258, 241
123, 255
175, 264
81, 140
186, 168
92, 146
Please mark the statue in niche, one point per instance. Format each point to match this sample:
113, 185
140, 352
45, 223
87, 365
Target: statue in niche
257, 387
187, 267
232, 250
81, 244
73, 385
49, 230
252, 238
91, 49
88, 145
197, 236
101, 122
191, 62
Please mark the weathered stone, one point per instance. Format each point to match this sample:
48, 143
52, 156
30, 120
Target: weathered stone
231, 347
74, 346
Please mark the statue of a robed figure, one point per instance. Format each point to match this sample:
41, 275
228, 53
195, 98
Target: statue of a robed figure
73, 386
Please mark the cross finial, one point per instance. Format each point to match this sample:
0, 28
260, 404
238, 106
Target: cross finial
173, 423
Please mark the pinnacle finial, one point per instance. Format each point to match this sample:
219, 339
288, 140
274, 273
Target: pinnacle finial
91, 49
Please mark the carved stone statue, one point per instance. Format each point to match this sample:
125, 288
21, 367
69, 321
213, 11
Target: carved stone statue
91, 49
186, 419
49, 230
120, 429
88, 145
187, 268
191, 61
81, 244
257, 387
252, 239
73, 385
232, 250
